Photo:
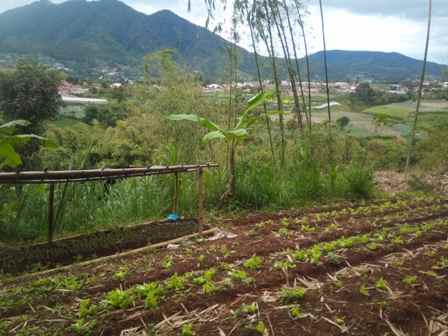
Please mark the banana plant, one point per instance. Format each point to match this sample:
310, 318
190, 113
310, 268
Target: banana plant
9, 141
232, 136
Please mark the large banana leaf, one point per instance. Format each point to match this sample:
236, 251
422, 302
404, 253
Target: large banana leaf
204, 122
8, 156
213, 136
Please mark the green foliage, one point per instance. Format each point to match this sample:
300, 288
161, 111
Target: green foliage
83, 328
295, 312
382, 284
86, 309
30, 92
187, 330
176, 282
152, 293
365, 94
234, 134
248, 309
254, 263
107, 115
410, 280
364, 290
242, 276
121, 274
119, 299
292, 295
10, 141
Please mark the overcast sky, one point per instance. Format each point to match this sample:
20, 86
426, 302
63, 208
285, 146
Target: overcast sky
380, 25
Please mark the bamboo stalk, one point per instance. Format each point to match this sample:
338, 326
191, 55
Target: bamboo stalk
51, 213
33, 177
412, 139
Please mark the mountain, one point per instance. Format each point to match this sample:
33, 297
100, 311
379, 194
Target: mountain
108, 32
380, 66
93, 37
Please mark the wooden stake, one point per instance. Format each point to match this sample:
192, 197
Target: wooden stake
51, 214
201, 199
176, 193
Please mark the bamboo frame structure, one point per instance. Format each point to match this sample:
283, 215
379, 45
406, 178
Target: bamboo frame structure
81, 176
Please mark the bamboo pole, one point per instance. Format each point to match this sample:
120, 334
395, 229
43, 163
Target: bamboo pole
200, 191
50, 213
413, 134
176, 193
32, 177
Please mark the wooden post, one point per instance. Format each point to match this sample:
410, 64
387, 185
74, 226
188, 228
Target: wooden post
176, 193
200, 199
51, 213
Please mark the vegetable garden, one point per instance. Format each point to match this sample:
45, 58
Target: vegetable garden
365, 268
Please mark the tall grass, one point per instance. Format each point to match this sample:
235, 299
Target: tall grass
306, 177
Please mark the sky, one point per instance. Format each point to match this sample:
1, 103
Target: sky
376, 25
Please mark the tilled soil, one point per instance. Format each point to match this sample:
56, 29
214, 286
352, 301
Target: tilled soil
373, 268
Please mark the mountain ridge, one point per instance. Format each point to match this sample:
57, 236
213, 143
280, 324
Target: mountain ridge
89, 35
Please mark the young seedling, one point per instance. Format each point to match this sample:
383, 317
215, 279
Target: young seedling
119, 299
86, 309
152, 293
292, 295
283, 232
254, 263
167, 262
239, 275
247, 309
187, 330
295, 312
364, 290
410, 280
121, 274
176, 283
83, 328
382, 284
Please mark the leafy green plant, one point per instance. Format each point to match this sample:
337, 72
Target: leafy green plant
239, 275
254, 263
410, 280
86, 308
152, 293
83, 327
232, 136
167, 262
295, 312
205, 277
176, 282
119, 299
187, 330
382, 284
121, 274
283, 265
292, 295
209, 288
248, 309
284, 232
364, 290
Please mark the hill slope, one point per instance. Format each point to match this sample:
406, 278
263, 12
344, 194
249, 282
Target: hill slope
109, 32
372, 65
95, 36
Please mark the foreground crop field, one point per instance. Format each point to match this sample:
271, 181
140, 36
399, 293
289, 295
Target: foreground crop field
375, 268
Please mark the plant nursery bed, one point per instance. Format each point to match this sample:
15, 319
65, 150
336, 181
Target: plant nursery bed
101, 243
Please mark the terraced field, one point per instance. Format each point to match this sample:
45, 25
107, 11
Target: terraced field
376, 268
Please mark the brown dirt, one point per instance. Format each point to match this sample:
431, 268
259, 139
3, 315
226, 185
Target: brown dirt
54, 312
